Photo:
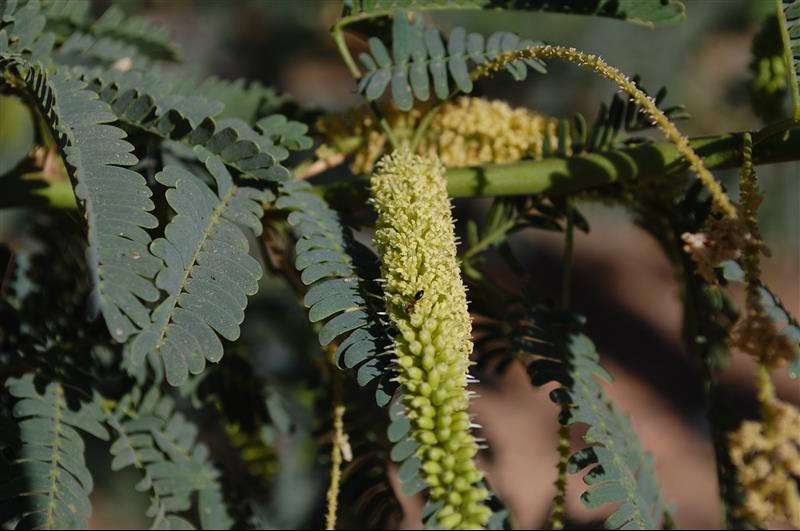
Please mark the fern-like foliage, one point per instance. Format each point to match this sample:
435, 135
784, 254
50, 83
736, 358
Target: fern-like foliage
159, 442
151, 39
645, 12
207, 273
619, 470
420, 58
150, 102
65, 18
84, 49
617, 121
789, 21
21, 31
248, 101
48, 483
61, 32
63, 12
116, 200
336, 291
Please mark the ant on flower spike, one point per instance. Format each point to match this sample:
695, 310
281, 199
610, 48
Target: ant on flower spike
417, 296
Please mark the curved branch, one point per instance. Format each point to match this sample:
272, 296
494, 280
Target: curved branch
557, 176
560, 176
648, 105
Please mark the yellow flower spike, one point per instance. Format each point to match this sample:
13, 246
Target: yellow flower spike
767, 459
466, 132
414, 237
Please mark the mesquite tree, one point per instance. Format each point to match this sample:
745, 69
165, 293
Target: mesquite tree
152, 206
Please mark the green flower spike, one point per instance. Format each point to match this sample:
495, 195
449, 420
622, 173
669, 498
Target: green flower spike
427, 304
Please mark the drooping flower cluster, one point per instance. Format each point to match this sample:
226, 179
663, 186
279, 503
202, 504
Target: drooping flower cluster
427, 305
721, 239
767, 458
757, 335
466, 132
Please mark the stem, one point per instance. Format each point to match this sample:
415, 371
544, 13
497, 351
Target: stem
425, 123
559, 500
423, 126
338, 445
384, 123
766, 390
698, 315
788, 57
336, 466
702, 309
558, 176
597, 65
552, 176
488, 239
569, 237
344, 51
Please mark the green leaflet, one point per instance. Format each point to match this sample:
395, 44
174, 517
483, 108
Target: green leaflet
152, 40
650, 13
86, 50
243, 99
323, 257
619, 471
66, 11
156, 103
22, 31
48, 484
207, 273
37, 26
161, 444
66, 17
116, 201
420, 60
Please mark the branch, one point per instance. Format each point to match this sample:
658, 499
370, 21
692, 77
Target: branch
558, 176
563, 176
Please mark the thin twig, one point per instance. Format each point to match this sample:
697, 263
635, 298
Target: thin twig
340, 448
319, 166
648, 105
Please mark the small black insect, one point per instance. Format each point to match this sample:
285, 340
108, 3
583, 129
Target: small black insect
417, 296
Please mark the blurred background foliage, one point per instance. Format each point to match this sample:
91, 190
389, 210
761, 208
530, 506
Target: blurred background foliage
623, 284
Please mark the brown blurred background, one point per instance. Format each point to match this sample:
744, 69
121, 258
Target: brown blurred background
623, 283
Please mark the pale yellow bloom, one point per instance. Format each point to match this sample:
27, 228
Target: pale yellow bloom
466, 132
722, 239
427, 305
767, 458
